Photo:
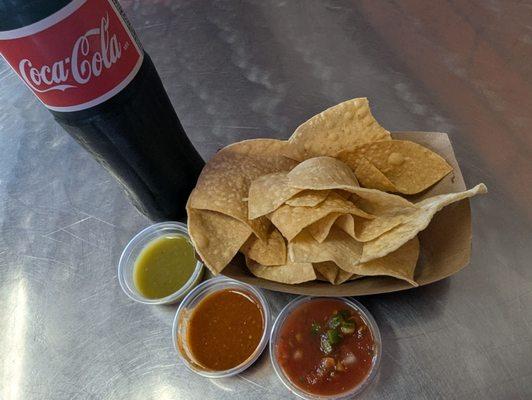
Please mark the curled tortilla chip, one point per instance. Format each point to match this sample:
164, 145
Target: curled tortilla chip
339, 247
224, 183
217, 237
268, 192
344, 276
388, 210
364, 232
330, 272
308, 198
325, 173
387, 217
419, 220
326, 270
346, 195
320, 229
291, 220
290, 273
342, 126
319, 276
266, 252
410, 167
370, 176
359, 229
400, 264
380, 203
322, 173
346, 223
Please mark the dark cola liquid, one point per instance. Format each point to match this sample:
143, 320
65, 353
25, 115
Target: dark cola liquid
138, 138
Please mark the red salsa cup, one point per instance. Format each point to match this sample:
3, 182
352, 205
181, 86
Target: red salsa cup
325, 348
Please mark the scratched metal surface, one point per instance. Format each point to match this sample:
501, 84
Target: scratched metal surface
236, 70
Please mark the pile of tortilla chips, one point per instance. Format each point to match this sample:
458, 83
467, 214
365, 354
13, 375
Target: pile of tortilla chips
326, 204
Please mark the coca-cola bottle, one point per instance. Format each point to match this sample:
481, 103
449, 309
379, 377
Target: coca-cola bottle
82, 59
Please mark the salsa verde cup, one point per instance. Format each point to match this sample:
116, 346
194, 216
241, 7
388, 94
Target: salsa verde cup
186, 308
349, 394
126, 265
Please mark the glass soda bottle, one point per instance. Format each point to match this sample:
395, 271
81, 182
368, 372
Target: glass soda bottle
83, 61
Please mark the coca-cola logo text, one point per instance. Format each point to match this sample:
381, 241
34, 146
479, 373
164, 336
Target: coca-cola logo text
78, 59
81, 66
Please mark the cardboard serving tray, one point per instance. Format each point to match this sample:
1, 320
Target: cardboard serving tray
445, 243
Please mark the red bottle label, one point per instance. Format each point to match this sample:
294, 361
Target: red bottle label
76, 58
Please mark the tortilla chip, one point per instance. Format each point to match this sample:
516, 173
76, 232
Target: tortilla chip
319, 276
330, 272
320, 229
268, 192
322, 173
377, 202
291, 220
339, 247
344, 276
371, 177
328, 173
361, 230
266, 252
388, 211
224, 182
217, 237
387, 217
364, 232
395, 238
400, 264
290, 273
346, 223
308, 198
410, 167
346, 195
345, 125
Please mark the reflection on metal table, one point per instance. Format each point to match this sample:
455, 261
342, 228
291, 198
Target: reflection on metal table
237, 70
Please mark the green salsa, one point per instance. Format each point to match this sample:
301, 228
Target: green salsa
164, 266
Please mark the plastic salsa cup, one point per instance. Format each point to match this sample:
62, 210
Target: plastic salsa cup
126, 265
186, 309
368, 320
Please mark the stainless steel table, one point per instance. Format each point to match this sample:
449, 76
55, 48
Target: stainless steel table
237, 70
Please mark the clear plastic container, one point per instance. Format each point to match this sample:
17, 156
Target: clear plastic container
126, 265
186, 308
368, 319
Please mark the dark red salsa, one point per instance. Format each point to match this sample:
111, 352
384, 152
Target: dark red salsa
325, 347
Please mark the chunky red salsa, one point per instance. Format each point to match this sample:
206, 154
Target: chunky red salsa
325, 347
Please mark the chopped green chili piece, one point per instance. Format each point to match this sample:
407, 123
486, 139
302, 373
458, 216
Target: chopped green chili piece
333, 336
335, 321
347, 327
315, 328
